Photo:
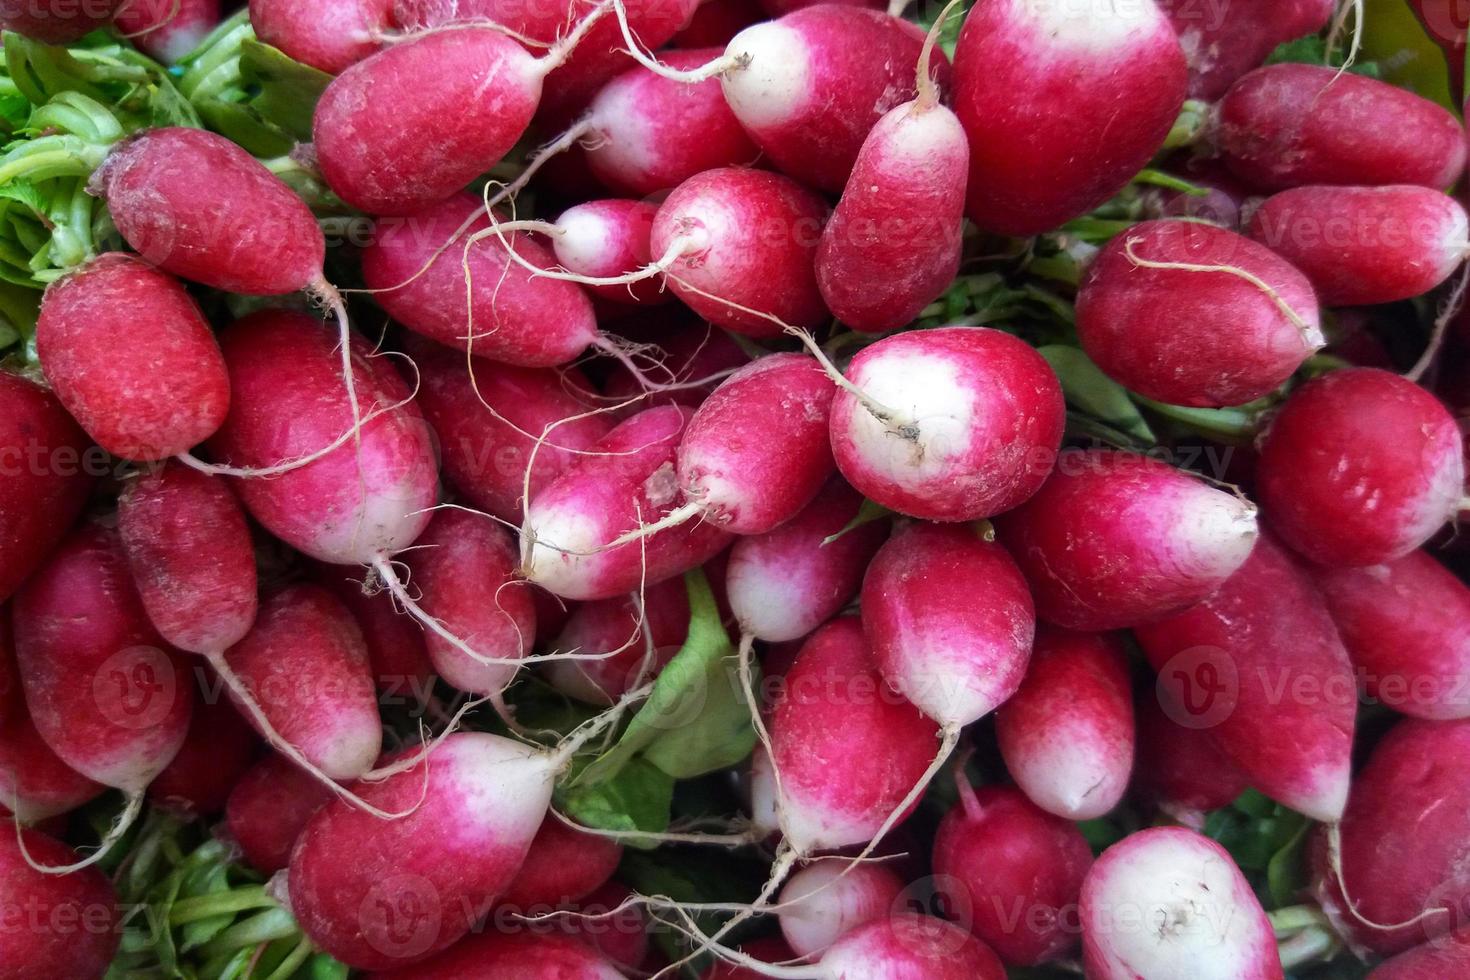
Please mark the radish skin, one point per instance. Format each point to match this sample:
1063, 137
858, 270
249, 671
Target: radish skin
63, 927
332, 35
713, 25
824, 901
395, 641
609, 238
1442, 957
35, 785
1227, 38
564, 866
909, 945
609, 625
1181, 769
216, 753
167, 30
57, 21
527, 956
267, 810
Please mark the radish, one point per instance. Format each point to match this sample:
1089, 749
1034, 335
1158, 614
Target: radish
132, 358
56, 927
217, 751
12, 703
1291, 124
34, 784
1406, 624
1360, 467
1031, 81
1012, 872
167, 29
1397, 876
496, 956
1180, 768
332, 35
608, 238
714, 23
612, 923
1168, 904
903, 945
1114, 539
1442, 957
564, 866
47, 469
785, 583
1283, 713
892, 246
950, 622
268, 808
627, 481
826, 900
743, 244
626, 626
1225, 39
103, 692
654, 133
1150, 285
1067, 736
693, 351
1365, 245
395, 642
57, 21
766, 949
951, 424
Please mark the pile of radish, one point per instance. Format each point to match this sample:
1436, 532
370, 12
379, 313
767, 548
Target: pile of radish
742, 488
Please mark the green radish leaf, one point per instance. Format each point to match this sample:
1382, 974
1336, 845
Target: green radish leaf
1092, 391
1286, 871
637, 797
323, 967
868, 513
289, 90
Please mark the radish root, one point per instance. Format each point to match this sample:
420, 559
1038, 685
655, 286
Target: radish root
115, 833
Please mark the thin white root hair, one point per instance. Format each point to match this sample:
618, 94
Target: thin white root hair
690, 930
537, 160
593, 728
1334, 865
674, 518
635, 50
558, 53
928, 92
746, 655
451, 726
1451, 308
677, 249
115, 833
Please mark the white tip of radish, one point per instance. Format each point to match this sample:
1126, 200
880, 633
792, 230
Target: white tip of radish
823, 902
1097, 27
919, 387
772, 87
560, 549
584, 240
1214, 533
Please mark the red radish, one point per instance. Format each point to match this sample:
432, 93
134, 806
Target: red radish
901, 946
1115, 539
218, 751
826, 900
744, 242
785, 583
564, 865
621, 936
1146, 310
1031, 82
1168, 904
1221, 203
12, 704
465, 568
1283, 713
331, 35
776, 8
1288, 125
1012, 871
714, 24
950, 621
167, 29
608, 238
691, 352
1067, 736
305, 664
46, 474
59, 927
1406, 624
1399, 876
395, 641
267, 810
626, 482
509, 314
1443, 957
1227, 38
1365, 245
973, 421
609, 625
34, 784
1360, 467
654, 133
57, 21
524, 956
358, 499
809, 86
1180, 768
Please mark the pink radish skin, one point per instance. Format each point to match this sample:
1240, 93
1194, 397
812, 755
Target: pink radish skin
1168, 904
1289, 125
778, 8
34, 784
79, 624
465, 569
267, 810
12, 703
656, 133
837, 706
749, 238
613, 624
217, 752
1152, 331
525, 956
950, 621
1225, 39
332, 35
979, 419
395, 641
47, 466
306, 665
289, 403
628, 480
608, 238
1067, 736
1360, 467
1181, 769
692, 351
564, 866
1402, 863
909, 945
190, 552
892, 245
621, 937
1283, 713
478, 810
1032, 79
516, 317
1013, 872
63, 926
57, 21
820, 905
817, 80
714, 24
201, 208
1443, 957
785, 583
1362, 246
1115, 539
167, 29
